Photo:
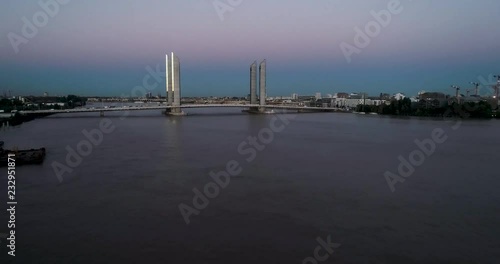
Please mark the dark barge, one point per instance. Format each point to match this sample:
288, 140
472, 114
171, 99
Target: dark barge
21, 157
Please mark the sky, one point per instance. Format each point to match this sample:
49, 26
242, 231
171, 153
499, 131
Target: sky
103, 48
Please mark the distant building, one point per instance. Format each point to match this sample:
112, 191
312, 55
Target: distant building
339, 102
327, 102
355, 102
341, 95
295, 96
432, 95
385, 96
433, 100
318, 96
53, 104
374, 100
399, 96
471, 99
304, 98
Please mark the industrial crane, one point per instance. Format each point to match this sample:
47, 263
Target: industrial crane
457, 95
477, 88
497, 86
468, 91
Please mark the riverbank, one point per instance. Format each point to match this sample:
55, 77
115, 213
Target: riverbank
18, 119
481, 110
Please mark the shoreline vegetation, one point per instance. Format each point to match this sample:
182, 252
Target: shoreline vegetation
18, 119
404, 107
10, 107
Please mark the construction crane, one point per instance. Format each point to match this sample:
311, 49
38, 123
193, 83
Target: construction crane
457, 89
477, 87
497, 86
468, 91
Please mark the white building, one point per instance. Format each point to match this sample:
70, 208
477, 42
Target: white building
351, 103
399, 96
53, 104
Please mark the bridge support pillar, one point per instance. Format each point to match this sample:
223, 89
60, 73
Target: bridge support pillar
175, 111
101, 113
259, 110
173, 85
252, 110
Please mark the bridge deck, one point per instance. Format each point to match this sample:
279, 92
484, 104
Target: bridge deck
164, 107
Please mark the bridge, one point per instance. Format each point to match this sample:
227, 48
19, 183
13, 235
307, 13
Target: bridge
173, 104
169, 107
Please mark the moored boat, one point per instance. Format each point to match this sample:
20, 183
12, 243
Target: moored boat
21, 157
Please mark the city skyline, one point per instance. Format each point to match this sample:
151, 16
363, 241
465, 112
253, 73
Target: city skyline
72, 55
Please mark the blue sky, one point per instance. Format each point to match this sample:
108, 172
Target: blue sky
103, 47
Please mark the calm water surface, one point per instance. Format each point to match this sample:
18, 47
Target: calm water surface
323, 175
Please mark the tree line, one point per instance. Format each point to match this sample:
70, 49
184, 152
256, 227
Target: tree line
432, 108
70, 101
